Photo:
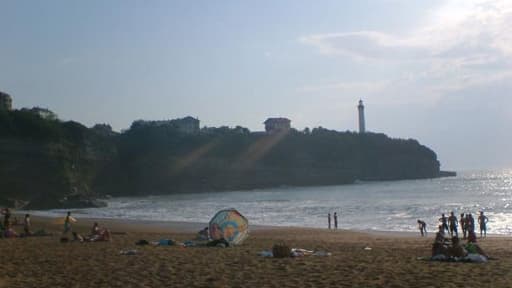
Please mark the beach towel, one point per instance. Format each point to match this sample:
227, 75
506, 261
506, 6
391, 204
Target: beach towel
166, 242
471, 257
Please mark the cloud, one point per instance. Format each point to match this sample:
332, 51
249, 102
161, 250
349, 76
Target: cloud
463, 43
347, 87
365, 45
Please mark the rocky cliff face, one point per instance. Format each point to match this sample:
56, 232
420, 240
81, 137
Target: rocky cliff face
47, 164
51, 164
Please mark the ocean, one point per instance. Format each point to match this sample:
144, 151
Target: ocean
381, 206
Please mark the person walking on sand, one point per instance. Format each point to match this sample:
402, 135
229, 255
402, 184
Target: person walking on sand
329, 220
423, 227
482, 221
335, 221
444, 222
452, 220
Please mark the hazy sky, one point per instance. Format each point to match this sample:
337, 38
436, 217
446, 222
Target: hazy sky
436, 71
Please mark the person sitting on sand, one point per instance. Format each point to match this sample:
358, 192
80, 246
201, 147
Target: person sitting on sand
457, 249
202, 234
439, 246
27, 225
95, 229
423, 227
103, 235
440, 235
98, 234
9, 232
471, 237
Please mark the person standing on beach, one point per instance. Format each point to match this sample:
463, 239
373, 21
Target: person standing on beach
452, 220
470, 221
482, 221
26, 225
7, 218
444, 222
463, 225
67, 223
335, 221
329, 220
423, 227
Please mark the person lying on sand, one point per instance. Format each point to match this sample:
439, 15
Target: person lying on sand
475, 249
472, 247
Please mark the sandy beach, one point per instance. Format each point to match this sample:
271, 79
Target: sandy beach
391, 262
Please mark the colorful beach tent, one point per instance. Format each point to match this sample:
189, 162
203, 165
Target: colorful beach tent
230, 225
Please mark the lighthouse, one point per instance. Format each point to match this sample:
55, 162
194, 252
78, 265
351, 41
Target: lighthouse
360, 108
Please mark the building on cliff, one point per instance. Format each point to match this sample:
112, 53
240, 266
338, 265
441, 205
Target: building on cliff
277, 124
5, 102
186, 125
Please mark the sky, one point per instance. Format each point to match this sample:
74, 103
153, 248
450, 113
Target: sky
436, 71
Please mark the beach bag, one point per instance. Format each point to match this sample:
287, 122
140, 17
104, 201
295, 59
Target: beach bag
281, 250
142, 242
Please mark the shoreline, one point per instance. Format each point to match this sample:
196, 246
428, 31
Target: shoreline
131, 225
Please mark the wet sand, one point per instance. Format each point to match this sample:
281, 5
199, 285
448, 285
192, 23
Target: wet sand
392, 261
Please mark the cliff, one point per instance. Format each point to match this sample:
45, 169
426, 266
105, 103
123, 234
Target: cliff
54, 164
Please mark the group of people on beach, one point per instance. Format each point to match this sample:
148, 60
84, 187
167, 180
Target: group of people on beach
335, 218
7, 228
451, 248
451, 224
96, 234
7, 225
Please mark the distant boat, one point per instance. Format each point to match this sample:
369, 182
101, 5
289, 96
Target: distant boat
447, 174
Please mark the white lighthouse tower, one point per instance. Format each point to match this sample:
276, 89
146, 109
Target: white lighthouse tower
360, 108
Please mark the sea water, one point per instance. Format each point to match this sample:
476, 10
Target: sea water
383, 206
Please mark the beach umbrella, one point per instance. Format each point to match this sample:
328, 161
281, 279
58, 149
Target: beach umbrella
230, 225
